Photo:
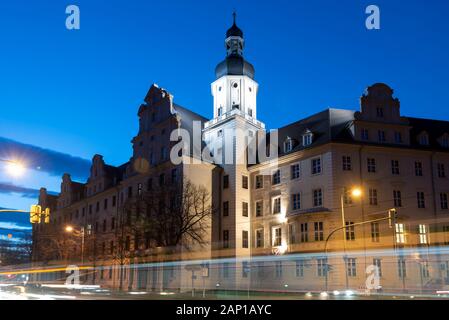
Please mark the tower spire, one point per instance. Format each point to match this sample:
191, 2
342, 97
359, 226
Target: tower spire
234, 15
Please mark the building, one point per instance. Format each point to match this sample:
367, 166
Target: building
271, 221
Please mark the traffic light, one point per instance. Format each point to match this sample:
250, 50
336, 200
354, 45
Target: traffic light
35, 214
392, 217
47, 216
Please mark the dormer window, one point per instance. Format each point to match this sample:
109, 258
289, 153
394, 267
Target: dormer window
380, 112
444, 141
307, 138
423, 139
288, 145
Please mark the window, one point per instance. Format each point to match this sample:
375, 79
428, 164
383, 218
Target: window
259, 208
245, 209
277, 236
245, 244
321, 267
292, 233
296, 201
259, 182
347, 198
299, 270
375, 233
278, 269
423, 139
445, 142
378, 264
304, 233
381, 136
316, 166
317, 198
277, 177
161, 179
397, 198
245, 182
400, 233
350, 231
105, 204
397, 137
111, 247
174, 175
380, 112
364, 134
371, 162
424, 268
97, 207
225, 182
422, 231
220, 111
128, 243
443, 201
104, 225
347, 165
418, 169
402, 268
288, 145
225, 239
295, 171
441, 170
307, 139
373, 197
446, 237
421, 200
351, 267
319, 233
259, 238
226, 209
394, 167
112, 223
277, 205
114, 201
225, 270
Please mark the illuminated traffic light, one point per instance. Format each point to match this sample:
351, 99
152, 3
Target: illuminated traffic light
47, 216
392, 217
35, 214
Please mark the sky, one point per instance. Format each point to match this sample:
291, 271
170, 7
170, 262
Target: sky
66, 95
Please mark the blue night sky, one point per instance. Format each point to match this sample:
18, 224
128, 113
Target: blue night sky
67, 95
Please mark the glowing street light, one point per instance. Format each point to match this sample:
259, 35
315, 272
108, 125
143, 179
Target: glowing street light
14, 168
356, 192
69, 229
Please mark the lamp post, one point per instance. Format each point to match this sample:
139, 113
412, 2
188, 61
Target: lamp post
357, 193
78, 233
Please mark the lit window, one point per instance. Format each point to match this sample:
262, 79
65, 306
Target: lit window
400, 233
422, 230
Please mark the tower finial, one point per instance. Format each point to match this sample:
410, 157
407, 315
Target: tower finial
234, 15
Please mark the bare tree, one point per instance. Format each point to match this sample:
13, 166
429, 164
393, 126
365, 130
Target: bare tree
168, 217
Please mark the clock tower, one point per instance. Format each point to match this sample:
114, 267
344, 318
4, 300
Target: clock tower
228, 136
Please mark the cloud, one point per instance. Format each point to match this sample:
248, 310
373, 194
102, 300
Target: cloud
13, 226
53, 162
23, 191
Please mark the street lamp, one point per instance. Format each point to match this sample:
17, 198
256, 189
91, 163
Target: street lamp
77, 233
14, 168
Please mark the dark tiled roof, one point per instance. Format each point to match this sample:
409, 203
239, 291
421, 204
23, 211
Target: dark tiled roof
434, 128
